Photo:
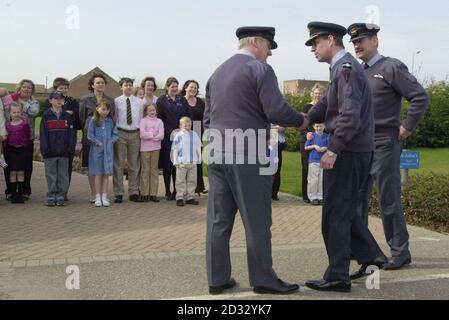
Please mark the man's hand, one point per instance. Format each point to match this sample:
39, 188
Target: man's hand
305, 123
404, 133
328, 162
2, 138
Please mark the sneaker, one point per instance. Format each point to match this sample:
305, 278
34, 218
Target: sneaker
315, 202
192, 202
106, 202
180, 203
50, 203
60, 203
98, 203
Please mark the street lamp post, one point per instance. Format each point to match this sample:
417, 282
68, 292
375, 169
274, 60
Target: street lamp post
413, 61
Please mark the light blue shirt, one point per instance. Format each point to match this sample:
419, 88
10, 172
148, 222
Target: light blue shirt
188, 148
374, 60
337, 57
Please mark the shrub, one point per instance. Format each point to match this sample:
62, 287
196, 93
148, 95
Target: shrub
426, 201
433, 131
292, 135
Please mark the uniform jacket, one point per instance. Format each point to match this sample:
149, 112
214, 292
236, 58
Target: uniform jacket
347, 108
243, 93
390, 81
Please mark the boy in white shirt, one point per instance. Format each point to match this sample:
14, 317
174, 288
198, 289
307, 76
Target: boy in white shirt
186, 155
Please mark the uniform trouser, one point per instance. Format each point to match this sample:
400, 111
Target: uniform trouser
277, 176
28, 170
127, 147
315, 182
232, 188
305, 170
186, 176
342, 226
386, 173
56, 172
149, 173
169, 170
200, 186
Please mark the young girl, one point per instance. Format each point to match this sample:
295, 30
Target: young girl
139, 93
17, 143
151, 134
102, 134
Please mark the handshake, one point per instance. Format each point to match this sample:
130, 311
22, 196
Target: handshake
305, 123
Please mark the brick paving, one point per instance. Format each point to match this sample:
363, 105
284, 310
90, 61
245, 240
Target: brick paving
34, 235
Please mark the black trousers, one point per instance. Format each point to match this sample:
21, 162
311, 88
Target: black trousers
342, 225
28, 170
305, 170
169, 170
277, 176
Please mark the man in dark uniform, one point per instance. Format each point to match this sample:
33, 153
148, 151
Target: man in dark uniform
348, 114
390, 81
243, 94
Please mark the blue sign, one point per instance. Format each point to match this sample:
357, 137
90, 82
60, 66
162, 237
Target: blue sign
410, 160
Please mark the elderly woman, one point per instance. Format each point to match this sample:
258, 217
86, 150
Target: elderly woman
30, 110
171, 108
88, 104
316, 94
190, 91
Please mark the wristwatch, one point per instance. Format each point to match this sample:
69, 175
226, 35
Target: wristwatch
331, 154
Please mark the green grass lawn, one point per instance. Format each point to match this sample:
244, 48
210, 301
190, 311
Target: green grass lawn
432, 160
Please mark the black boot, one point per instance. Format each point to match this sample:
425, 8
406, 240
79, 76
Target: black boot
14, 194
20, 198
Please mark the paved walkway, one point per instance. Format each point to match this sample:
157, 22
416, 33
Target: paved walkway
156, 251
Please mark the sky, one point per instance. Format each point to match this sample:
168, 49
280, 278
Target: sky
190, 39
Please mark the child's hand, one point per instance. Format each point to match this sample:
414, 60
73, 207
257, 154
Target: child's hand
2, 138
99, 144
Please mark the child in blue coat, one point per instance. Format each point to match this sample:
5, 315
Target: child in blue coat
102, 134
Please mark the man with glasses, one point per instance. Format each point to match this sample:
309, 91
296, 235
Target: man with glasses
243, 94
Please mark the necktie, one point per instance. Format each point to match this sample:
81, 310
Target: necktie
129, 114
365, 66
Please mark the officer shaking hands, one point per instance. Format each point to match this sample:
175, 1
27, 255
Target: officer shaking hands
348, 114
390, 81
243, 94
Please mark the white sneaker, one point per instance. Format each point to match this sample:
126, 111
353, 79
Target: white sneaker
106, 201
98, 202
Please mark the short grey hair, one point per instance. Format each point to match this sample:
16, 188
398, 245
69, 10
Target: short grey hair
245, 42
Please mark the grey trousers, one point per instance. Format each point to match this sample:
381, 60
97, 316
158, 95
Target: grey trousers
232, 188
127, 148
186, 176
57, 174
386, 173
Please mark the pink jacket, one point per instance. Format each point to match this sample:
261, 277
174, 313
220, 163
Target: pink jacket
151, 134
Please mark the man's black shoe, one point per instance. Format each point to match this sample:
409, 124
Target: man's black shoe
315, 202
275, 198
118, 199
280, 288
323, 285
192, 202
180, 203
219, 289
379, 263
397, 263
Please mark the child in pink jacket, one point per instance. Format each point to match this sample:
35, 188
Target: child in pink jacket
151, 135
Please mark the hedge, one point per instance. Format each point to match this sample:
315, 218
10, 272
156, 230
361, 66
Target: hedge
426, 201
